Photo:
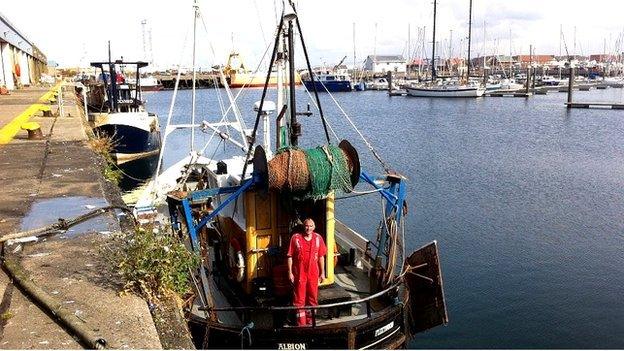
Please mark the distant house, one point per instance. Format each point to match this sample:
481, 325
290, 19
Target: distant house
502, 61
383, 64
540, 60
603, 58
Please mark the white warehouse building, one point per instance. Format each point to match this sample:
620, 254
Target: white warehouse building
21, 62
386, 63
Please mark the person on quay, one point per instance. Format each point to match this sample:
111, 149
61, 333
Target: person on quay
306, 269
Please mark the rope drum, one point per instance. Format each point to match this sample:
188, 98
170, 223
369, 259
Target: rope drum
313, 173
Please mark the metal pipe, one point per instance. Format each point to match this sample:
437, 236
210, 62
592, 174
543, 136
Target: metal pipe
278, 120
66, 318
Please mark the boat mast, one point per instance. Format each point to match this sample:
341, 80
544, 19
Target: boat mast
450, 54
113, 76
279, 62
354, 49
433, 71
295, 126
409, 30
195, 14
469, 35
510, 57
484, 53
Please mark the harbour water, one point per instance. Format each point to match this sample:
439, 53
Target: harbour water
524, 196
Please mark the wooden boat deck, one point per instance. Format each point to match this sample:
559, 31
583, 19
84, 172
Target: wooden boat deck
352, 283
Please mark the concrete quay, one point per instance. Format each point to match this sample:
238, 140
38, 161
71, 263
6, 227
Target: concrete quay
43, 180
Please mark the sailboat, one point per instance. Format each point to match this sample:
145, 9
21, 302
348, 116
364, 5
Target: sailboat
446, 89
238, 214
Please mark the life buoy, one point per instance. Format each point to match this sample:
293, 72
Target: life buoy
18, 70
236, 260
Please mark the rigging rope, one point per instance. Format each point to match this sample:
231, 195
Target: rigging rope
368, 144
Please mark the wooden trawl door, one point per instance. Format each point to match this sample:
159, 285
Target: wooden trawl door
426, 307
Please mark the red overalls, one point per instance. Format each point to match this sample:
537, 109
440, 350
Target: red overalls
305, 255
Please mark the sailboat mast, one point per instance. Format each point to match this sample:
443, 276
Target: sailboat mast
354, 50
469, 37
408, 49
433, 71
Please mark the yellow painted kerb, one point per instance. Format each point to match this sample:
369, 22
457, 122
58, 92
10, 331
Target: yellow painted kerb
47, 96
9, 131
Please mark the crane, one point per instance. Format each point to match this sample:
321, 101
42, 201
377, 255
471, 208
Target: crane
340, 63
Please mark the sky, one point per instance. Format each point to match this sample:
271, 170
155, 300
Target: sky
73, 32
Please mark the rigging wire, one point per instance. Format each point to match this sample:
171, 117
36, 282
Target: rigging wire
260, 22
368, 144
152, 191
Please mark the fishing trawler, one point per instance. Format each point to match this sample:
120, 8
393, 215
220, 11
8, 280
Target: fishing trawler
238, 214
238, 76
134, 132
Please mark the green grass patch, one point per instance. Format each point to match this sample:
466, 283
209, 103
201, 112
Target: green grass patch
103, 146
6, 315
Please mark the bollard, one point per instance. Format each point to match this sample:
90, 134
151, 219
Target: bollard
46, 111
33, 129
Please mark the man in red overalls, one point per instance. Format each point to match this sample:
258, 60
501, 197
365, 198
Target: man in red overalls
306, 269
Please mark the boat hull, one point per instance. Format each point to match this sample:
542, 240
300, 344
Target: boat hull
383, 330
158, 87
134, 135
446, 93
330, 86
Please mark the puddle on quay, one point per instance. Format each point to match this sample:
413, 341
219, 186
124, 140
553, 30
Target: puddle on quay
46, 212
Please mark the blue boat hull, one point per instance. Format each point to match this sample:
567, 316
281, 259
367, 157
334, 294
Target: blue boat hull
129, 139
331, 86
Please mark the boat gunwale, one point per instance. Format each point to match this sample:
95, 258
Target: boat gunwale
387, 313
317, 307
